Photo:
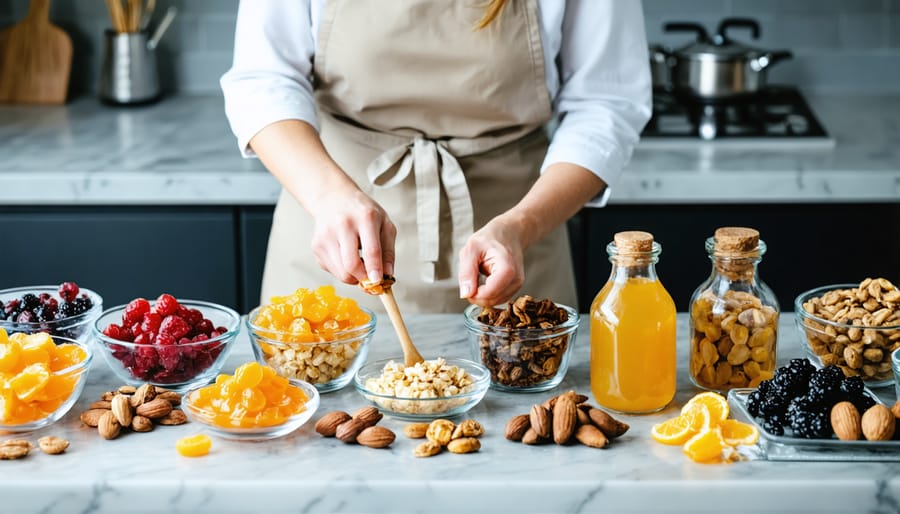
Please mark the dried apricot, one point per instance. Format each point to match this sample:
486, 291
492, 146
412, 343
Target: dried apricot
194, 446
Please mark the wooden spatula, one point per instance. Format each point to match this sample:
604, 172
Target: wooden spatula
35, 59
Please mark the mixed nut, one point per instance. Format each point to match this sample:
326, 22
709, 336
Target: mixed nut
13, 449
134, 408
360, 428
561, 419
443, 433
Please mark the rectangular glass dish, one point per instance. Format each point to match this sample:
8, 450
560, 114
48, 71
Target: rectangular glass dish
775, 447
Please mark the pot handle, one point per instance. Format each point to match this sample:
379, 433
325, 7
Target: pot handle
767, 59
727, 23
686, 26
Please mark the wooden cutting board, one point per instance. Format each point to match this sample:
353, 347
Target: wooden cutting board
35, 59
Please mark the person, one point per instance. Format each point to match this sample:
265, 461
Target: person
410, 138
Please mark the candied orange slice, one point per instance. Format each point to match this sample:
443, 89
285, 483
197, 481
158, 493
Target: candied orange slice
248, 375
10, 353
715, 402
57, 387
194, 446
736, 433
30, 382
66, 355
705, 447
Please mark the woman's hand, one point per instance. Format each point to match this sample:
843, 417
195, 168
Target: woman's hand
496, 251
350, 225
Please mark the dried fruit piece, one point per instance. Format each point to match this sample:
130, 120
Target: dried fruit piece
376, 437
194, 446
327, 424
464, 445
416, 430
52, 445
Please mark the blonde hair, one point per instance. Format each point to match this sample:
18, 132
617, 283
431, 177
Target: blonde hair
490, 13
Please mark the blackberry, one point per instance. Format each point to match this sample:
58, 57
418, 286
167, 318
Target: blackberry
82, 305
763, 387
862, 402
811, 424
66, 309
774, 424
30, 301
852, 387
774, 402
753, 402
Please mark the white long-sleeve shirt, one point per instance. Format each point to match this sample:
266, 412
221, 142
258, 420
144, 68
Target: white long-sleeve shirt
595, 55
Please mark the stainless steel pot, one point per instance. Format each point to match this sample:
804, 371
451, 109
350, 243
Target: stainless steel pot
719, 68
661, 62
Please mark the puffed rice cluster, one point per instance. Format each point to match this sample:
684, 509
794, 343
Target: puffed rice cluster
428, 379
315, 364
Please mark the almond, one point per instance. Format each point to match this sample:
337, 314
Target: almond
176, 417
143, 394
108, 396
141, 424
589, 435
564, 420
108, 426
464, 445
327, 424
154, 409
896, 409
52, 445
369, 416
102, 404
91, 417
517, 426
170, 396
532, 437
122, 410
415, 430
126, 389
610, 426
376, 437
348, 430
540, 421
583, 418
878, 423
845, 421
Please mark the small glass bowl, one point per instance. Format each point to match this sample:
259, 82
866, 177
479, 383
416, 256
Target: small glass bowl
136, 364
74, 327
419, 409
203, 417
77, 373
524, 360
830, 343
895, 363
328, 365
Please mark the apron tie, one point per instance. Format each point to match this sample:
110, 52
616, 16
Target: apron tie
434, 165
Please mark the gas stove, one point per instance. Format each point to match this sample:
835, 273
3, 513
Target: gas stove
776, 117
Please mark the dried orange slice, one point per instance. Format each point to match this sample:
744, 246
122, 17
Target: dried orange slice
194, 445
674, 431
30, 382
705, 447
736, 433
9, 356
715, 402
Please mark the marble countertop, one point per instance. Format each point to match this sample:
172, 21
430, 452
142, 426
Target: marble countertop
306, 473
181, 151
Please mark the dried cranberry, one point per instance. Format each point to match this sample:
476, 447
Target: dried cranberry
200, 337
166, 305
135, 310
184, 340
142, 338
113, 331
169, 357
204, 327
192, 316
44, 297
12, 306
175, 325
68, 291
151, 322
165, 339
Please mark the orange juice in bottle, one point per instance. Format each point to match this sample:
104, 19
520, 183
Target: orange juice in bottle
633, 330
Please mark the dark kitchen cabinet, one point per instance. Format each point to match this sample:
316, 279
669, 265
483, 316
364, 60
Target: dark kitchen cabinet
123, 252
255, 223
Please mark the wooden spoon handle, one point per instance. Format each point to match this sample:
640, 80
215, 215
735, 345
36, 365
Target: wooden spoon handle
410, 355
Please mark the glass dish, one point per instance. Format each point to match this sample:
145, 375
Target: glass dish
201, 417
423, 409
73, 327
775, 447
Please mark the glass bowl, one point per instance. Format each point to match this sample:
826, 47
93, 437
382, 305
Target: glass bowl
895, 362
859, 350
328, 365
54, 405
204, 417
73, 327
418, 409
523, 360
177, 367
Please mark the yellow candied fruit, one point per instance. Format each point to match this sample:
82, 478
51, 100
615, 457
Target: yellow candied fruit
30, 387
194, 446
231, 403
310, 315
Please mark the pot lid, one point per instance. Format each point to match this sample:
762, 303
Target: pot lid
719, 47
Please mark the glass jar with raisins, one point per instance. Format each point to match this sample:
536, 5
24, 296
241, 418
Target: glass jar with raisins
734, 315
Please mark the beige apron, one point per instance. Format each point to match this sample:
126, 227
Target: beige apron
442, 126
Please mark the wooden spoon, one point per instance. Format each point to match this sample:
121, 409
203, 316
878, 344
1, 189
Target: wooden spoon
382, 288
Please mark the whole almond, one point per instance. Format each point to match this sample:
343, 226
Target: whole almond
348, 430
376, 437
52, 445
102, 404
577, 398
564, 420
517, 426
583, 418
141, 424
878, 423
464, 445
91, 417
143, 394
415, 430
108, 396
541, 421
589, 435
171, 397
108, 426
154, 409
327, 424
126, 389
532, 437
610, 426
845, 421
122, 410
368, 416
176, 417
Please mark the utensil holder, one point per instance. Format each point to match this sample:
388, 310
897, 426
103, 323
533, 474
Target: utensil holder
129, 73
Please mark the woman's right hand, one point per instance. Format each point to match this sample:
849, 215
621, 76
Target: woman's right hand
353, 237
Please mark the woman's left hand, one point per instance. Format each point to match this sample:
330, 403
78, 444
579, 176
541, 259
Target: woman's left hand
496, 251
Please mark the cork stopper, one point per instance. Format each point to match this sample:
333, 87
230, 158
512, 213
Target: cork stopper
633, 241
736, 241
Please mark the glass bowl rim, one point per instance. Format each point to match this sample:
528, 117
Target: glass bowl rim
351, 333
234, 327
818, 292
481, 383
310, 390
70, 321
472, 323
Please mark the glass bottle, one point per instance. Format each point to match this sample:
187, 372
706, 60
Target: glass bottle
633, 330
734, 315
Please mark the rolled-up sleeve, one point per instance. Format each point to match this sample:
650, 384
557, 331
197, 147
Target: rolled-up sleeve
604, 99
270, 78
